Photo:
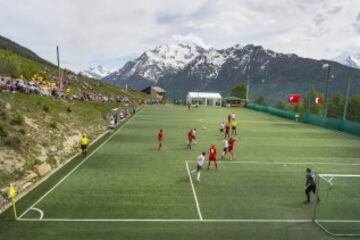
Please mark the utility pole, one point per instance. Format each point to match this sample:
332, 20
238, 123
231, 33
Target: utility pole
247, 88
328, 68
309, 97
347, 98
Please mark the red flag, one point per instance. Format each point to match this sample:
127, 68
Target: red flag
294, 99
319, 100
61, 83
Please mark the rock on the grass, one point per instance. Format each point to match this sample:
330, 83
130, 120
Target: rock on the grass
30, 176
43, 169
26, 185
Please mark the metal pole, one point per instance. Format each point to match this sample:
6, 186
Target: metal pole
347, 98
326, 91
309, 98
247, 88
58, 62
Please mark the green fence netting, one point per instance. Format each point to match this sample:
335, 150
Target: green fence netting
272, 110
342, 125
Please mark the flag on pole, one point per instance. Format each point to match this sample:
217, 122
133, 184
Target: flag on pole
294, 99
61, 80
12, 198
11, 191
319, 100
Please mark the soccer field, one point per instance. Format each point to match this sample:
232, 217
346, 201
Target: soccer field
126, 189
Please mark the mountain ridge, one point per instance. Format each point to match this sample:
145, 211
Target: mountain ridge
271, 74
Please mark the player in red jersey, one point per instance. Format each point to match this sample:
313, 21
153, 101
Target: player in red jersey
229, 118
190, 138
212, 156
227, 131
160, 138
231, 147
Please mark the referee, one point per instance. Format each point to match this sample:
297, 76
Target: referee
310, 185
84, 141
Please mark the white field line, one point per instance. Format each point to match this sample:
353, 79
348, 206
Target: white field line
194, 192
289, 163
335, 234
170, 220
73, 170
340, 175
339, 221
40, 211
64, 163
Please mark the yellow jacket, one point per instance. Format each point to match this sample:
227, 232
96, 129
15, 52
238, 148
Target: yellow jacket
84, 141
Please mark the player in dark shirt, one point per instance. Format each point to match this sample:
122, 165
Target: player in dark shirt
310, 185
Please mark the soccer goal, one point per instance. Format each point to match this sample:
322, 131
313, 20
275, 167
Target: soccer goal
338, 210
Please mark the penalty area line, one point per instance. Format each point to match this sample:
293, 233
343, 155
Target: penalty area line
194, 192
170, 220
289, 163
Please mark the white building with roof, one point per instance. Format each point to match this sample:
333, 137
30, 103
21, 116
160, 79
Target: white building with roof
204, 98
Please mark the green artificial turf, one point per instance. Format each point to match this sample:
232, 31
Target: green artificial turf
127, 178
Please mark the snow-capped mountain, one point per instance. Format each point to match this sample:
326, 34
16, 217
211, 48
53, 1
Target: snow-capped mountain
154, 64
350, 60
97, 72
180, 68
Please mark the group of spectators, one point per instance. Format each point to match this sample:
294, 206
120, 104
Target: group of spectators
47, 88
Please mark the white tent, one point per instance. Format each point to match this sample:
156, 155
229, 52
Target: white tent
204, 98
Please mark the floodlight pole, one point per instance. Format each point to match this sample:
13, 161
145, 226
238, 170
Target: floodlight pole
347, 98
328, 68
247, 88
309, 97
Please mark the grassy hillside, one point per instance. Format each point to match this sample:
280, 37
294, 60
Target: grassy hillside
8, 45
38, 129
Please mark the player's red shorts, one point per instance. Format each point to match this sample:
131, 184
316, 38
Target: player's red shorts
230, 149
212, 158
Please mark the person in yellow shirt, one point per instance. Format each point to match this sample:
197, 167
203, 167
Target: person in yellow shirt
84, 141
233, 127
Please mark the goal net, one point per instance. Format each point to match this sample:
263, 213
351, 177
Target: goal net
338, 210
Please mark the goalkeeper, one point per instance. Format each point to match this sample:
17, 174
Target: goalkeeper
310, 185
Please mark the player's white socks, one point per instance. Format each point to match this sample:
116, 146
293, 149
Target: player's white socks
198, 177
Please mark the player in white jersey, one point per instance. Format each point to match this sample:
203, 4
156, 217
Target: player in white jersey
226, 148
222, 128
199, 164
233, 116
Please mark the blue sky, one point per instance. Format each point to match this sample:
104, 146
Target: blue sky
111, 32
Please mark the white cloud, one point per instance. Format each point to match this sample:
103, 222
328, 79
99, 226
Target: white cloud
110, 31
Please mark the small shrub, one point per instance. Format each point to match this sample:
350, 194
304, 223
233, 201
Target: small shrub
53, 125
22, 131
52, 161
29, 165
17, 120
46, 108
3, 132
3, 115
12, 141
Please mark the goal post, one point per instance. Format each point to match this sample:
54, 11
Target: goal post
337, 211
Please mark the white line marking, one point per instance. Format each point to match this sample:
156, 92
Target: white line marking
40, 211
194, 192
317, 222
340, 175
74, 169
171, 220
289, 163
339, 221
